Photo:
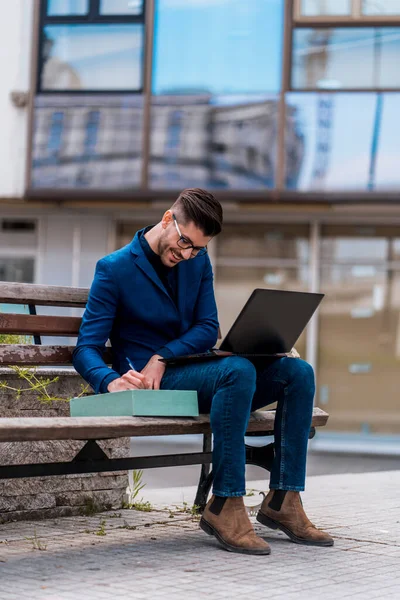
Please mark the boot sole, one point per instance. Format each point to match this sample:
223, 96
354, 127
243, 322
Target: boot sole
209, 529
268, 522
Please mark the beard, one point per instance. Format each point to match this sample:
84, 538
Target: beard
164, 252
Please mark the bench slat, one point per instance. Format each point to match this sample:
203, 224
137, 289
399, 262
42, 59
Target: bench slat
39, 324
30, 355
85, 428
42, 295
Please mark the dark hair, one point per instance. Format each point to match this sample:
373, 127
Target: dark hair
200, 207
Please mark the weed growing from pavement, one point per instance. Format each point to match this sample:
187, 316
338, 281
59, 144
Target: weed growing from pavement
194, 510
137, 486
142, 506
36, 543
102, 528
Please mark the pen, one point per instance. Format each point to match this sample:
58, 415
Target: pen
130, 364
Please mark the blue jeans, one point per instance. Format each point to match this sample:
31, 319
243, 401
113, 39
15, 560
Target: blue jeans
229, 389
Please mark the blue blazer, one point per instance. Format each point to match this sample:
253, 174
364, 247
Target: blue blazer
129, 305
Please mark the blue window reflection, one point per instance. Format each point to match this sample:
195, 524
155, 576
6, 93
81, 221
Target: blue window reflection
216, 75
55, 134
344, 141
58, 8
219, 47
375, 7
92, 131
121, 7
364, 57
92, 57
314, 8
87, 141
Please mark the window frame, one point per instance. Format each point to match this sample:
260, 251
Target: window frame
93, 17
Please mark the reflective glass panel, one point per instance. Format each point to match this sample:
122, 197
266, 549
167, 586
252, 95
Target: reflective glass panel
318, 8
17, 269
264, 241
346, 58
61, 8
92, 57
241, 53
359, 348
214, 108
354, 244
213, 142
342, 141
381, 7
87, 141
121, 7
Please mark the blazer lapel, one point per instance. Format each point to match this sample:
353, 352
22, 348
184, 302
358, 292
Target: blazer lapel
144, 265
182, 287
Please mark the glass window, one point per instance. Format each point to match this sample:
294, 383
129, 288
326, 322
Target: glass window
319, 8
55, 134
121, 7
92, 131
360, 245
381, 7
342, 141
87, 141
346, 58
92, 57
213, 142
16, 269
267, 241
61, 8
214, 116
359, 336
240, 55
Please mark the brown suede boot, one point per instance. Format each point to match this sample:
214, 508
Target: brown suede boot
284, 511
228, 521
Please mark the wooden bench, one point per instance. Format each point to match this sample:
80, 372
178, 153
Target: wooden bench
91, 458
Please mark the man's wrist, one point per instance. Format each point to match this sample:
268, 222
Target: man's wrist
107, 380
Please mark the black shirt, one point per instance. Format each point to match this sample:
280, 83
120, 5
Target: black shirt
167, 275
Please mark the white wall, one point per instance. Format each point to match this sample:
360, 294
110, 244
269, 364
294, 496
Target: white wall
15, 50
69, 247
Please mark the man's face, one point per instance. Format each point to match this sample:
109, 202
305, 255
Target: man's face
168, 249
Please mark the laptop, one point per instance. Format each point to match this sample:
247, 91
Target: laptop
269, 324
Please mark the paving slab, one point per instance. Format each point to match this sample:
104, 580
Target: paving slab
163, 553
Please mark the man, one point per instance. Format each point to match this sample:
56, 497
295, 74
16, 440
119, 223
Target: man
154, 298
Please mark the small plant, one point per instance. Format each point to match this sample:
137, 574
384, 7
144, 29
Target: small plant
250, 492
7, 338
142, 506
188, 510
102, 528
133, 492
36, 543
137, 485
37, 385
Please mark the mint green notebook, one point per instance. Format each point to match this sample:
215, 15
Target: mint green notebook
138, 403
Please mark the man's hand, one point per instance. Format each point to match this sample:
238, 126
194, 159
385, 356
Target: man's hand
293, 353
132, 380
154, 371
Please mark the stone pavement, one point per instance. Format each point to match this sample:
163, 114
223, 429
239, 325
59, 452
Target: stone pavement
163, 554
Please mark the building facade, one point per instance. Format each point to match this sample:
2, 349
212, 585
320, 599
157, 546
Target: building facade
287, 110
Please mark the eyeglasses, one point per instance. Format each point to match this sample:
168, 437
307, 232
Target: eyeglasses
185, 244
